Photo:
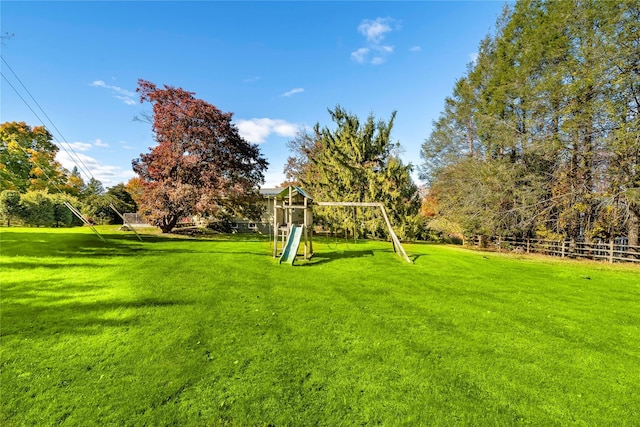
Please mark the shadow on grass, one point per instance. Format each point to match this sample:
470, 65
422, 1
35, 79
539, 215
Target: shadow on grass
42, 309
45, 291
41, 263
216, 236
325, 257
74, 244
43, 244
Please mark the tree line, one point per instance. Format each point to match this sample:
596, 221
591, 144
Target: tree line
34, 187
202, 166
541, 136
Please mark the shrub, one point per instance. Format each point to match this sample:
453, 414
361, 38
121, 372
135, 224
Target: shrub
10, 205
37, 209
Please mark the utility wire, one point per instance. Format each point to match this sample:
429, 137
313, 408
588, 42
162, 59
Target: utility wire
77, 158
23, 149
87, 174
69, 206
75, 211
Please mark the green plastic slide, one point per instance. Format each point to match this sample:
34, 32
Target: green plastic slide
291, 248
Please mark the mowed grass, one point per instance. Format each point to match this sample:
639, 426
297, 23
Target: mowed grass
177, 331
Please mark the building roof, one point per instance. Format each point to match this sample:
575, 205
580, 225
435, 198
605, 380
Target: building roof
296, 189
270, 192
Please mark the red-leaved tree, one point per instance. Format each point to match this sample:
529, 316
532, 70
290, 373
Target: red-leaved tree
201, 164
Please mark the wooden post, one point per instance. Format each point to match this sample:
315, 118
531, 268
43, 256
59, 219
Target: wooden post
77, 213
354, 223
528, 245
275, 227
284, 236
611, 250
397, 245
124, 221
396, 242
304, 221
310, 213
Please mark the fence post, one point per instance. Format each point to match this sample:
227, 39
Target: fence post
563, 246
528, 244
611, 250
572, 247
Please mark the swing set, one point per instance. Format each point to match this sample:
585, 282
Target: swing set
293, 220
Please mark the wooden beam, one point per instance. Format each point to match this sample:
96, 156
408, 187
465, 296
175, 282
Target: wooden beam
124, 221
397, 246
77, 213
293, 207
275, 228
373, 204
394, 237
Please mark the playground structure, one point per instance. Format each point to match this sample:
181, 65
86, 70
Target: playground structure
290, 250
293, 220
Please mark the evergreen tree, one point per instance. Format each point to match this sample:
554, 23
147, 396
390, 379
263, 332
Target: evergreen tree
355, 162
10, 205
37, 209
75, 184
553, 98
119, 197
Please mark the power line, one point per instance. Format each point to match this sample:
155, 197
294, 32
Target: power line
73, 210
84, 168
87, 174
69, 206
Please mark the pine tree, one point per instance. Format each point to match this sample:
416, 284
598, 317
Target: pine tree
355, 162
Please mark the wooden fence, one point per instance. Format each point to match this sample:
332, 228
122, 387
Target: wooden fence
614, 250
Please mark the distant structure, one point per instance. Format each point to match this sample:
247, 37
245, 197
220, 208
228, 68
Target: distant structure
293, 223
292, 216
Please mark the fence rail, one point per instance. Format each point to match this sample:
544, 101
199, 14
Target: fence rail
614, 250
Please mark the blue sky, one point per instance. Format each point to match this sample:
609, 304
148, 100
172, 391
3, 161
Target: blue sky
277, 66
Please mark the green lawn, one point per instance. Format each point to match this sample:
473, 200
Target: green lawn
215, 332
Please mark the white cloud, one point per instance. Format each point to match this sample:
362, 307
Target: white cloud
258, 130
252, 79
125, 99
98, 143
117, 89
284, 128
375, 30
293, 91
123, 95
415, 49
108, 175
75, 146
360, 55
473, 57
